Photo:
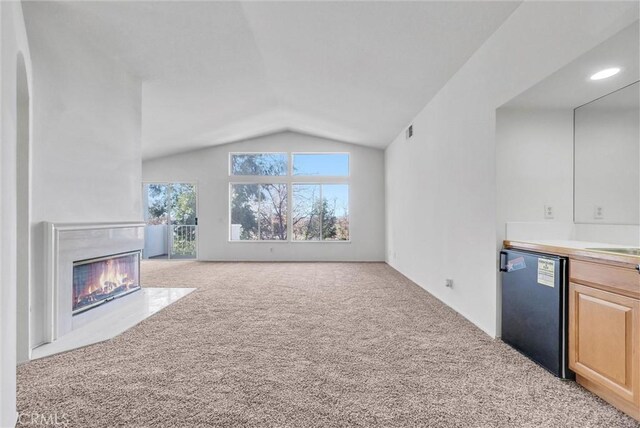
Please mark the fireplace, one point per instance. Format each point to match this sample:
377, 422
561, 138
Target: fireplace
71, 246
100, 280
94, 266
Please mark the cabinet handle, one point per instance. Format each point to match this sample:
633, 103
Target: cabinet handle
501, 268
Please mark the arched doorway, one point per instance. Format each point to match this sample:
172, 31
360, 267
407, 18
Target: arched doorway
23, 214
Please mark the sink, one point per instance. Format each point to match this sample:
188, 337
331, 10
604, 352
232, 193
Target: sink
625, 251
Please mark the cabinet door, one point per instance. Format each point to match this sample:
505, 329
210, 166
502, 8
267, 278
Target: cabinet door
604, 342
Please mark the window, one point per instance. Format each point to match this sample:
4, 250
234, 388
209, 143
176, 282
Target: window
267, 205
259, 164
321, 164
259, 212
320, 212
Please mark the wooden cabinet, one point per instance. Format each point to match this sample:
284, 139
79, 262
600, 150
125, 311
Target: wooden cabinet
604, 332
604, 320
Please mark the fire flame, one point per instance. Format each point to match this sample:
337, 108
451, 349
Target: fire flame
113, 275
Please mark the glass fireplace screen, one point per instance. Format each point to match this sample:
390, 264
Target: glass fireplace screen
97, 281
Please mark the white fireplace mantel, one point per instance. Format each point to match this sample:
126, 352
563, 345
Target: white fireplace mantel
70, 242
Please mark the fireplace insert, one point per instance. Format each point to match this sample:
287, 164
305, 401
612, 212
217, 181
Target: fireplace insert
97, 281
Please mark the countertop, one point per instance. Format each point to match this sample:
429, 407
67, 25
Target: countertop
577, 249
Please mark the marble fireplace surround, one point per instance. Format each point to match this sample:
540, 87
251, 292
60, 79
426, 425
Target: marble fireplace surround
70, 242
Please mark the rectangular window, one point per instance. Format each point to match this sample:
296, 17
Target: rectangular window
320, 212
259, 164
321, 164
259, 212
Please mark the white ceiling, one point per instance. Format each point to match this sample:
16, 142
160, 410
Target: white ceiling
571, 86
217, 72
627, 97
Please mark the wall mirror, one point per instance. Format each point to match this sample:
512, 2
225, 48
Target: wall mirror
607, 158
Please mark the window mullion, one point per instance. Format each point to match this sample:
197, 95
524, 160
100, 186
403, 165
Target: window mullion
321, 212
259, 211
289, 210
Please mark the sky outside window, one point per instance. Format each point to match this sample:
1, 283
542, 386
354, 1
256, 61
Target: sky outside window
329, 164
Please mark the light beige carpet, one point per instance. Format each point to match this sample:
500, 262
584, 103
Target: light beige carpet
303, 345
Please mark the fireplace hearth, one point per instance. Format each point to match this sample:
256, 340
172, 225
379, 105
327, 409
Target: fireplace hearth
101, 280
95, 266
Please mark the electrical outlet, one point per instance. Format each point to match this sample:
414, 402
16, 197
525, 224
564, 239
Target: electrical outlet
449, 283
598, 212
548, 212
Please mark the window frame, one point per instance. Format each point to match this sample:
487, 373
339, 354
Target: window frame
289, 180
306, 183
292, 175
285, 153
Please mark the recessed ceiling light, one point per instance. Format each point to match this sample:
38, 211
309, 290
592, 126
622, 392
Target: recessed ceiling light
607, 72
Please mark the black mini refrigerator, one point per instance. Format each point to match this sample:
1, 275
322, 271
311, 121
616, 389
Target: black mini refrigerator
535, 308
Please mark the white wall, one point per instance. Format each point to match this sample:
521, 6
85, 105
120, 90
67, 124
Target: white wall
13, 41
209, 169
155, 240
534, 166
86, 139
441, 184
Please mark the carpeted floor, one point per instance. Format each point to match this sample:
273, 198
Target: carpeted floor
303, 345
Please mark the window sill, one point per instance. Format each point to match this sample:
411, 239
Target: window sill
285, 242
321, 242
256, 241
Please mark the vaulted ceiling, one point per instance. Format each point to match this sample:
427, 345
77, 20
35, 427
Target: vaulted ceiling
571, 86
217, 72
